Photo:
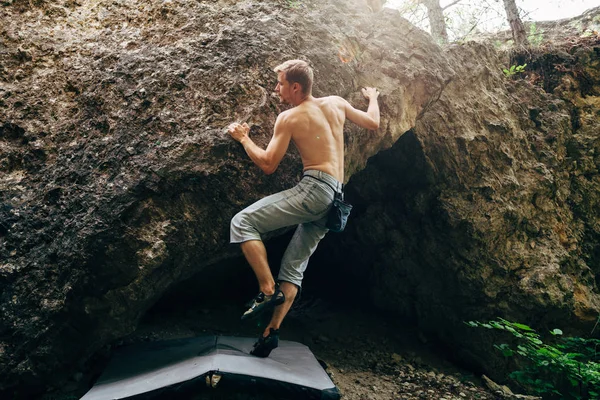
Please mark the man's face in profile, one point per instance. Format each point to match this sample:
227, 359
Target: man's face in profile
283, 88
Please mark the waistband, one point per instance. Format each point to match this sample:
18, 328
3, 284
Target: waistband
325, 177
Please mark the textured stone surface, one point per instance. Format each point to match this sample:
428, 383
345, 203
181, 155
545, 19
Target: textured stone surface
489, 207
117, 179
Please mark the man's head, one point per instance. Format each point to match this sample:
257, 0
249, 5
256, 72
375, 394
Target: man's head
297, 75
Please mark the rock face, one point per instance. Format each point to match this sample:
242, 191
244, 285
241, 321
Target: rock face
117, 179
489, 207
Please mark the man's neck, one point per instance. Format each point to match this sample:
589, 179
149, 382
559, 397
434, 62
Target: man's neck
301, 100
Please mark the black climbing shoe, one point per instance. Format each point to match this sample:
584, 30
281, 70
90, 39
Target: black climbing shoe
262, 303
265, 345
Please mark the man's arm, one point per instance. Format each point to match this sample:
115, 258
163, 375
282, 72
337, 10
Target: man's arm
268, 160
369, 119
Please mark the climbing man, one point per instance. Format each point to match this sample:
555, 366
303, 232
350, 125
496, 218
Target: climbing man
315, 125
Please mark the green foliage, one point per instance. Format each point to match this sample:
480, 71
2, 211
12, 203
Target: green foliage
498, 44
293, 3
566, 369
535, 36
513, 70
589, 33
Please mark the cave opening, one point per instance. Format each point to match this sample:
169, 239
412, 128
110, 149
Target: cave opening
365, 291
355, 270
213, 301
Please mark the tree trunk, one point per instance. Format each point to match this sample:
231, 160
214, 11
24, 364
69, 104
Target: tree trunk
516, 25
435, 13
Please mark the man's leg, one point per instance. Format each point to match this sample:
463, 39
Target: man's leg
299, 205
256, 255
294, 263
290, 290
263, 216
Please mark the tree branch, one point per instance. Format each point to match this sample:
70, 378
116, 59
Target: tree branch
451, 4
479, 19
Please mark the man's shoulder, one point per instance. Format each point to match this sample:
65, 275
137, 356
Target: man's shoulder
288, 118
332, 102
333, 99
285, 116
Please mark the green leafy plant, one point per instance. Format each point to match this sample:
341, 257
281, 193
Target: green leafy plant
513, 70
589, 33
293, 3
566, 369
535, 36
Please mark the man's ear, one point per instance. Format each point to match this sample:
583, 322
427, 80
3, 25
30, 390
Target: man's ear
296, 87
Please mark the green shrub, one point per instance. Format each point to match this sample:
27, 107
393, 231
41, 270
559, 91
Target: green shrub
566, 369
535, 37
515, 69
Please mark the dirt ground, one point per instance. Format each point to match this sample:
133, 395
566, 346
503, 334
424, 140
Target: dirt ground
368, 356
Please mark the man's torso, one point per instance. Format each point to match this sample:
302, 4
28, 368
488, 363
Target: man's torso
317, 128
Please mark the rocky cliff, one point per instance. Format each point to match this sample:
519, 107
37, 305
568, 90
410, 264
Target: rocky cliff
117, 179
489, 206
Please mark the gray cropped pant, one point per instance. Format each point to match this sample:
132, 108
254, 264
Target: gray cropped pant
305, 205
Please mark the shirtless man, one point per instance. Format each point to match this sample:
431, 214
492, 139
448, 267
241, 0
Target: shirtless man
315, 125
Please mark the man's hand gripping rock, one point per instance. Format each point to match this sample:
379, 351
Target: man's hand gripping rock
238, 131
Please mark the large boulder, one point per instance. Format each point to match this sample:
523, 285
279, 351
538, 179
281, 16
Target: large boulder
489, 206
117, 178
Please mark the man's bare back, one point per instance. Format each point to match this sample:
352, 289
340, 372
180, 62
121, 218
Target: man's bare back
316, 125
317, 128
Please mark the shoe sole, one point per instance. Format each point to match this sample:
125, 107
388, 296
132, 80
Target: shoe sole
260, 310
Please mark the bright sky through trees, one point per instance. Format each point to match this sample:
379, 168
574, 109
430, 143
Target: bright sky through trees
549, 10
470, 16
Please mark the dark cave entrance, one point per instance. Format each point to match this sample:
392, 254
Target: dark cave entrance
392, 193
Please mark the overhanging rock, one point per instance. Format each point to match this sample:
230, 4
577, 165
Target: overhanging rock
117, 178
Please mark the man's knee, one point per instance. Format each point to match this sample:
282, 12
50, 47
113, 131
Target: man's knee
241, 228
289, 289
238, 220
290, 275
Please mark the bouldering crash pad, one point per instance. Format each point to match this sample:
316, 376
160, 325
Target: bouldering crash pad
157, 369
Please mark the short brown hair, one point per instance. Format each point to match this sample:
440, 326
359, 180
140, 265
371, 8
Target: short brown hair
297, 71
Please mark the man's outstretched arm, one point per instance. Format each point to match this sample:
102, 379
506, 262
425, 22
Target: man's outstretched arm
369, 119
268, 160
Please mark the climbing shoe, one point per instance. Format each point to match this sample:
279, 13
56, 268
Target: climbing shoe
262, 303
265, 345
